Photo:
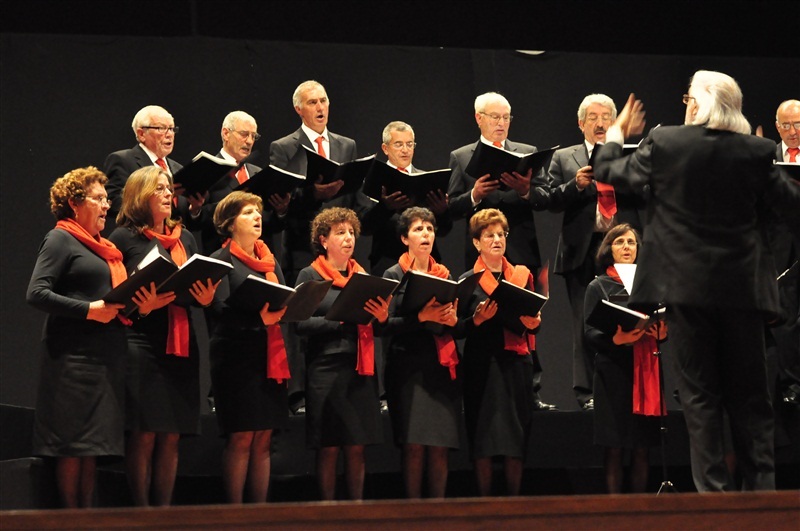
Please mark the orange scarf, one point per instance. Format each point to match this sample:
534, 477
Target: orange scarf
445, 346
178, 317
264, 262
519, 276
646, 397
102, 248
365, 364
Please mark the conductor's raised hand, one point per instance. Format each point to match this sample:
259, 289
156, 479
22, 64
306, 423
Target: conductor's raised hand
631, 118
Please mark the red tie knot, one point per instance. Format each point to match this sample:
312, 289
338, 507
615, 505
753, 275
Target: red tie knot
161, 162
793, 154
498, 144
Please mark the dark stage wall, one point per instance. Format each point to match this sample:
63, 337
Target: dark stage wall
67, 101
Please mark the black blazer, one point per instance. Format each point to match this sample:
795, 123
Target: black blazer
522, 246
580, 207
705, 244
118, 166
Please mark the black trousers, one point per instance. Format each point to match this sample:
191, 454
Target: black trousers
720, 363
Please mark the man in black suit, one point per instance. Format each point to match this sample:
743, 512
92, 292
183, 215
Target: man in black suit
704, 256
155, 132
381, 220
311, 103
469, 194
787, 253
586, 220
239, 133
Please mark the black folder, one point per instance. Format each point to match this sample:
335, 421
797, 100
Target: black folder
790, 169
607, 315
415, 186
155, 267
203, 173
256, 291
352, 172
349, 305
197, 267
420, 287
514, 302
494, 161
272, 180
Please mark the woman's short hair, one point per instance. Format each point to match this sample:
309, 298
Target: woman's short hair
324, 222
484, 218
412, 214
229, 209
604, 256
73, 186
135, 211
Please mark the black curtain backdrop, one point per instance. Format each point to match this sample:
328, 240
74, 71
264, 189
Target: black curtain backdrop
68, 101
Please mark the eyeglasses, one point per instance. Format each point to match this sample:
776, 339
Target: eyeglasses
788, 125
621, 242
495, 118
399, 145
686, 99
162, 190
492, 235
246, 134
162, 129
595, 118
99, 199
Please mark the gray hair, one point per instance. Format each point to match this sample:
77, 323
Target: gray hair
395, 126
303, 87
230, 120
600, 99
489, 97
144, 115
719, 102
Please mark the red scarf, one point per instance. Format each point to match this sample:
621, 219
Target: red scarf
178, 317
445, 346
646, 399
519, 276
264, 262
365, 364
102, 248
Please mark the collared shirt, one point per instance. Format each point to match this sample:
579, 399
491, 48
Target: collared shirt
601, 223
230, 158
409, 168
154, 158
784, 151
313, 135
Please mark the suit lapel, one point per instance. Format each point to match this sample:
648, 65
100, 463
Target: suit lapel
580, 156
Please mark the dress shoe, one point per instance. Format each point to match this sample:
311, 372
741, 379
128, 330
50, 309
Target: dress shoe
538, 405
298, 409
589, 405
384, 406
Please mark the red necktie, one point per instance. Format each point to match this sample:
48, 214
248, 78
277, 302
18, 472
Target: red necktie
606, 202
241, 175
404, 170
793, 154
498, 144
162, 163
320, 149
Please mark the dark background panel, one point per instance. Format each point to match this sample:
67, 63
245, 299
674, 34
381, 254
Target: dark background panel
69, 90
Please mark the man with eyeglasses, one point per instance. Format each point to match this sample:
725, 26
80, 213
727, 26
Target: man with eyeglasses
469, 194
399, 144
239, 133
155, 132
590, 210
311, 103
786, 349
